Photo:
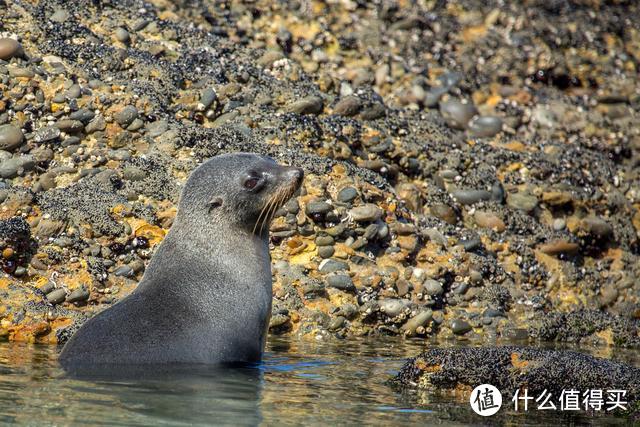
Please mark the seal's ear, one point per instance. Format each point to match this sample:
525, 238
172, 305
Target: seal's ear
215, 202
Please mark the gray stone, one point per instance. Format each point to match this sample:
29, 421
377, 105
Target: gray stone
308, 105
522, 201
9, 48
485, 126
56, 296
341, 281
126, 116
332, 265
469, 197
456, 113
46, 134
347, 194
433, 287
11, 137
366, 213
460, 327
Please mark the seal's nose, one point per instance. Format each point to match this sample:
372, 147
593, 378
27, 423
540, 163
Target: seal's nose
295, 174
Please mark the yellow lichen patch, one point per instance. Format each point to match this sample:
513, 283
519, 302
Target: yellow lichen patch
153, 233
606, 335
305, 256
517, 362
472, 34
29, 332
338, 298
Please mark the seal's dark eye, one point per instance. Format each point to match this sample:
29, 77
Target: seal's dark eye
251, 183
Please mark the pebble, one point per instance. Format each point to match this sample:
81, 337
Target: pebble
308, 105
597, 227
469, 197
348, 106
457, 113
347, 194
559, 224
56, 296
9, 48
392, 307
336, 323
70, 126
326, 251
126, 116
78, 295
489, 220
416, 321
332, 265
124, 271
522, 201
11, 137
46, 134
341, 281
433, 287
558, 247
122, 35
207, 98
366, 213
317, 207
485, 126
460, 327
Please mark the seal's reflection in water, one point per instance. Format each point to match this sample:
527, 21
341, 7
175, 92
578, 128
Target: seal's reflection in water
182, 393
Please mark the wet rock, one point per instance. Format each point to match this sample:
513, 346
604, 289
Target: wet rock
512, 368
460, 327
70, 126
419, 320
207, 98
317, 207
11, 137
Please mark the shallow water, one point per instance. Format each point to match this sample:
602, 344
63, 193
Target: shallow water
299, 383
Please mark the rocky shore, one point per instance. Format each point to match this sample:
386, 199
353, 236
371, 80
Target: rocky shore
472, 167
519, 370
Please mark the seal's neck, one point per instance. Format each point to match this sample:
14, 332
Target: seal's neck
210, 251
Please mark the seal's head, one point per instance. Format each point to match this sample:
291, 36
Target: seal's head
241, 190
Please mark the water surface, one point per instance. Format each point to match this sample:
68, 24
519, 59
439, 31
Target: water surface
299, 383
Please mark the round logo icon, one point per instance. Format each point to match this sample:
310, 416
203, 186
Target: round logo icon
485, 400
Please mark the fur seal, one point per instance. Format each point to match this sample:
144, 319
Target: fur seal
206, 294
